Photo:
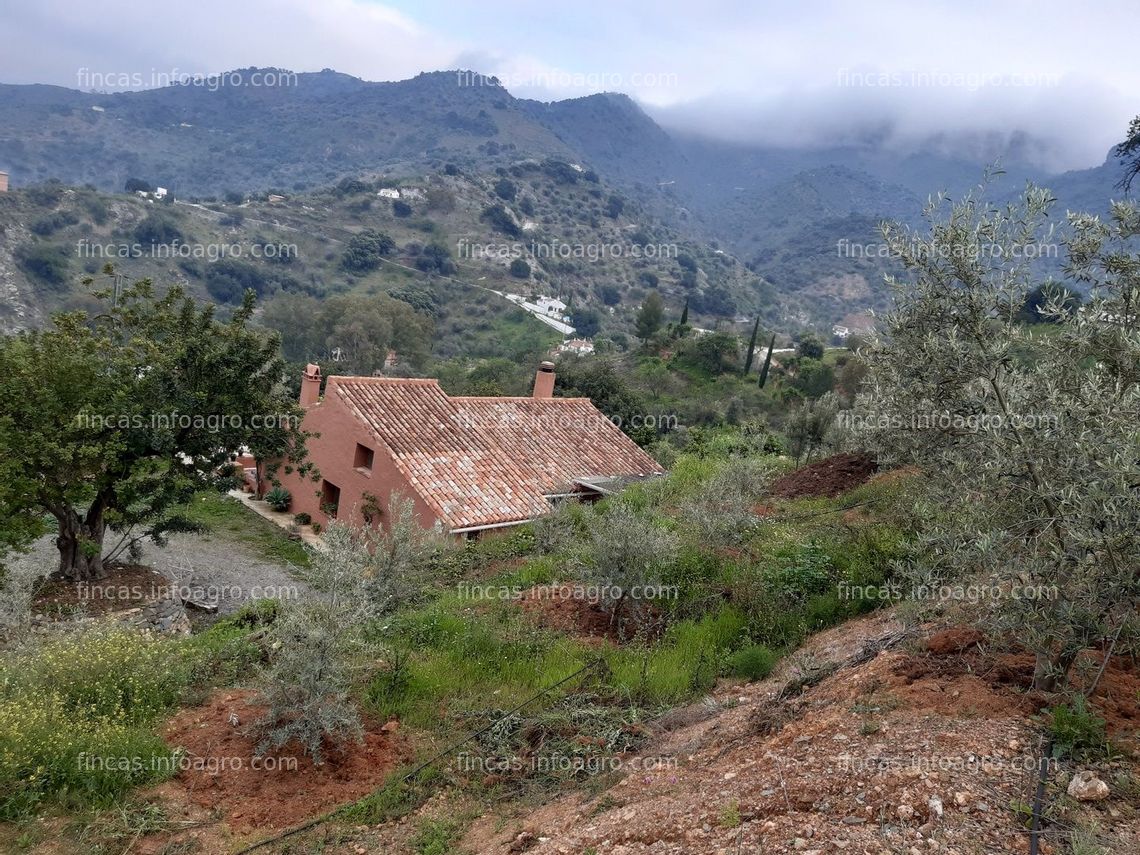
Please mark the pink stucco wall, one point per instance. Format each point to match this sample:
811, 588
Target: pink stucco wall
333, 453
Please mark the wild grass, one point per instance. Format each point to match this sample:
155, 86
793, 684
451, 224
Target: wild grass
226, 515
78, 710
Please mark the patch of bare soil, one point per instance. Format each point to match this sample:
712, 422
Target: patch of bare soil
221, 776
828, 477
863, 742
571, 609
866, 741
1117, 697
126, 586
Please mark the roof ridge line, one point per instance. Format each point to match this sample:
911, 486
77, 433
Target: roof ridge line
513, 398
395, 381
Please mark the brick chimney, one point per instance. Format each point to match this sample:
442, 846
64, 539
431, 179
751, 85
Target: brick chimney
544, 381
311, 385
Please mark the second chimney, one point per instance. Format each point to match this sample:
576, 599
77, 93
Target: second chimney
544, 381
310, 385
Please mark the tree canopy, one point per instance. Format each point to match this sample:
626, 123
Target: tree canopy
114, 421
650, 316
1032, 464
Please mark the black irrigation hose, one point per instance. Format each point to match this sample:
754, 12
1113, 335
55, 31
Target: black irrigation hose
313, 823
1039, 797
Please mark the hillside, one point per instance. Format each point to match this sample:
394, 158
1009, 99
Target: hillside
761, 204
454, 237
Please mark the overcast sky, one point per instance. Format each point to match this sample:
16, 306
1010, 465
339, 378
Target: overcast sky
801, 72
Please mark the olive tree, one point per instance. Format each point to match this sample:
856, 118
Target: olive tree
114, 421
322, 642
1028, 441
317, 645
625, 552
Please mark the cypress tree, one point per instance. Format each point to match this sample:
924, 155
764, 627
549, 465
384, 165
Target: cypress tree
767, 362
685, 313
751, 347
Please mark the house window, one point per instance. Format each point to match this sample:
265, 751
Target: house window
362, 460
330, 498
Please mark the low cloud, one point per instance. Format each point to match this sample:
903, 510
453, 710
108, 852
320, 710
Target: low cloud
1054, 124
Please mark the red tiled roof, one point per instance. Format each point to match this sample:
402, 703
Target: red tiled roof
487, 461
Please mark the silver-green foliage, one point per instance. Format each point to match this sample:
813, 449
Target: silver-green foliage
316, 642
361, 574
624, 552
1029, 443
721, 513
810, 427
402, 555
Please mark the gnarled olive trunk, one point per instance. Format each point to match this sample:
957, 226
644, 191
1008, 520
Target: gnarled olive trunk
80, 544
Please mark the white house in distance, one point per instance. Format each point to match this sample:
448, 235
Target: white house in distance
388, 193
840, 331
577, 347
550, 310
552, 307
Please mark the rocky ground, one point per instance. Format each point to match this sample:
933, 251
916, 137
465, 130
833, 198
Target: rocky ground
872, 739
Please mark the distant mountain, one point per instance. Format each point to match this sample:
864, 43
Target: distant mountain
774, 208
200, 139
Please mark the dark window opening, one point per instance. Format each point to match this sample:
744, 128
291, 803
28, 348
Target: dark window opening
330, 498
362, 460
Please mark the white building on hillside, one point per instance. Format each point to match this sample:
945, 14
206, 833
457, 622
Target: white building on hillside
551, 306
576, 346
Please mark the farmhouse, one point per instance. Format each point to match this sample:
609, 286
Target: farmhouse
576, 346
468, 464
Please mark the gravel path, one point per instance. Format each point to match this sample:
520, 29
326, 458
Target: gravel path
203, 566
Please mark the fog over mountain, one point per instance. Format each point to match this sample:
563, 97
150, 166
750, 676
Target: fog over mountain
1044, 80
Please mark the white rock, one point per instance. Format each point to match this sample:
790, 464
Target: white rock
1087, 787
905, 812
935, 804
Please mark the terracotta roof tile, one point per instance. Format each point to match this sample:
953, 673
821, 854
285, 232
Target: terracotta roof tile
486, 461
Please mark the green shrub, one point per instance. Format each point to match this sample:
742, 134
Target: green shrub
365, 249
626, 550
48, 263
436, 837
1078, 732
158, 229
754, 662
302, 518
279, 499
803, 571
